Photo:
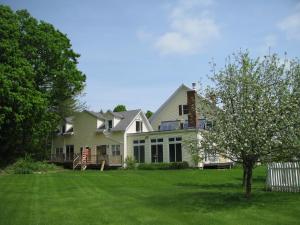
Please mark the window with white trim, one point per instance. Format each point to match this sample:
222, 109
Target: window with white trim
183, 110
59, 152
175, 149
139, 126
139, 150
157, 150
69, 152
115, 150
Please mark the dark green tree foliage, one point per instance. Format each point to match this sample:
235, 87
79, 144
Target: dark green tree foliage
39, 81
120, 108
149, 114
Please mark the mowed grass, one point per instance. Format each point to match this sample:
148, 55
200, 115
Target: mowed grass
142, 197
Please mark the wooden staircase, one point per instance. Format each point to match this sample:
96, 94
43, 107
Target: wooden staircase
76, 161
84, 159
81, 160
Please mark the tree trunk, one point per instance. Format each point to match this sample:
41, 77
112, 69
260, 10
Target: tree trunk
244, 176
248, 185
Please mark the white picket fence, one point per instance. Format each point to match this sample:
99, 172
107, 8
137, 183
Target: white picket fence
283, 177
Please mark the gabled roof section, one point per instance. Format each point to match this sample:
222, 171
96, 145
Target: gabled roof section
182, 86
145, 120
127, 117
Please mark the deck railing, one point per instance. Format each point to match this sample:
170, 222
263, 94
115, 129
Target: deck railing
57, 158
94, 159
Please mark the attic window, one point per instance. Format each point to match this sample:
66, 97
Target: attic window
139, 126
183, 110
180, 110
110, 124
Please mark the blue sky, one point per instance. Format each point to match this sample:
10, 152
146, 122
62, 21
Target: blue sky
137, 52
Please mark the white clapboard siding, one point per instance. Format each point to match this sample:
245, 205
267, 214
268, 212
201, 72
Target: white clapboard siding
283, 177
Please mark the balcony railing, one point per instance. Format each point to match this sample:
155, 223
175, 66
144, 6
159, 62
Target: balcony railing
203, 124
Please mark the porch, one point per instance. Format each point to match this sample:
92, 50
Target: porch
87, 160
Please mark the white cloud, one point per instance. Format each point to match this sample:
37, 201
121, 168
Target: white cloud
191, 28
173, 42
291, 25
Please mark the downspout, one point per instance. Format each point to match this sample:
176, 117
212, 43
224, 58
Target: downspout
125, 149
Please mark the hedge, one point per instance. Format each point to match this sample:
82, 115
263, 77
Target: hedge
163, 166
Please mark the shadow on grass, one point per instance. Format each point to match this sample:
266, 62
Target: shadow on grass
210, 186
259, 179
213, 197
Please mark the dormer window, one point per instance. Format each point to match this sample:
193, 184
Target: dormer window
67, 129
139, 126
110, 124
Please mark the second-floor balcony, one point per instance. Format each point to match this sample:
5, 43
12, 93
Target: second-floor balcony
202, 124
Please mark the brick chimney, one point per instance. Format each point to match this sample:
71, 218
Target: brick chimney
192, 115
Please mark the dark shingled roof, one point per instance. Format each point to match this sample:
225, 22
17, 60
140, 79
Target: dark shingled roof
117, 114
125, 116
96, 114
128, 116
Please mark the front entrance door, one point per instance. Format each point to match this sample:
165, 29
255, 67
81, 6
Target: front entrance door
101, 153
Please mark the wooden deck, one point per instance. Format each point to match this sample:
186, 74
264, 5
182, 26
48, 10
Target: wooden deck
92, 161
226, 165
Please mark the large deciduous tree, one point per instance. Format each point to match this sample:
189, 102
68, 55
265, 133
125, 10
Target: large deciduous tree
39, 82
259, 116
120, 108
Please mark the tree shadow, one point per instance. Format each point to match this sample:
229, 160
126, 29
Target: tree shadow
259, 179
213, 197
210, 186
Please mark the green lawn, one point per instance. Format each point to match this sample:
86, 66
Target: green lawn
142, 197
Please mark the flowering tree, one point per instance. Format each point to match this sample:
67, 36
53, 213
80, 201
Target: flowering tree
192, 144
258, 120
